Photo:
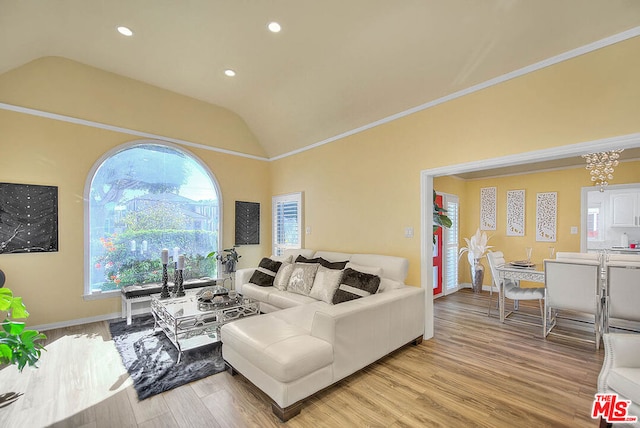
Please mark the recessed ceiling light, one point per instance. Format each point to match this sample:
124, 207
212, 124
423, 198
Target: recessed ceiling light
229, 72
274, 27
125, 31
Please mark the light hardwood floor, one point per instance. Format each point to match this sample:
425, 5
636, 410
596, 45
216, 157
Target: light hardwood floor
474, 372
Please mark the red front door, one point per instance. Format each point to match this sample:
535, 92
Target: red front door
437, 256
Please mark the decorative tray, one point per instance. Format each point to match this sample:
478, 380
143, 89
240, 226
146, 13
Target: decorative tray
218, 302
522, 264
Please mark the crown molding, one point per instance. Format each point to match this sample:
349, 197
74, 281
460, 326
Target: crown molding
625, 35
98, 125
619, 142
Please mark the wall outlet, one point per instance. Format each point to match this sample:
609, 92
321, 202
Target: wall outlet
574, 230
308, 230
408, 232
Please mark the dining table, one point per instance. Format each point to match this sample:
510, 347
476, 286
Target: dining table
518, 272
521, 273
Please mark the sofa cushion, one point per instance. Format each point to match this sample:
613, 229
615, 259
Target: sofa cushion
322, 262
332, 256
285, 299
392, 267
295, 252
280, 349
257, 292
265, 273
325, 284
626, 382
301, 279
373, 270
283, 259
355, 285
387, 284
282, 277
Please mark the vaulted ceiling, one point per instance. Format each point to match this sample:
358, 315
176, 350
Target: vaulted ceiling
335, 66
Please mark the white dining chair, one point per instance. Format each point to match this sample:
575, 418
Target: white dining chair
510, 289
564, 255
573, 284
622, 291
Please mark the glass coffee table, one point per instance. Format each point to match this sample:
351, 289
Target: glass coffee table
190, 323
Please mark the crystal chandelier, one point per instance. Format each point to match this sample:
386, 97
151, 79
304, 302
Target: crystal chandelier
601, 165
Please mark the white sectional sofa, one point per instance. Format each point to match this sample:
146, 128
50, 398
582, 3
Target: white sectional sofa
302, 345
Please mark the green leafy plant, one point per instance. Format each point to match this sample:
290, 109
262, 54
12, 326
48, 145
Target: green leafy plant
228, 260
17, 345
440, 218
120, 266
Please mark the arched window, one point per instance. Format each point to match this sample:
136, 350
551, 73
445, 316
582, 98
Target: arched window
140, 199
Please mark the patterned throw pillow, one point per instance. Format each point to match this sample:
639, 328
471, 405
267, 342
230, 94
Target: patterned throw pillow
302, 277
325, 284
355, 285
265, 273
282, 277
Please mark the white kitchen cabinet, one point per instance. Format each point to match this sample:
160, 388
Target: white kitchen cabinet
625, 208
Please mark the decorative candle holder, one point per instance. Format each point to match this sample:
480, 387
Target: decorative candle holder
164, 292
175, 277
179, 285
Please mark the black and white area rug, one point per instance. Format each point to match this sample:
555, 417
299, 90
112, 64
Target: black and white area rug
151, 358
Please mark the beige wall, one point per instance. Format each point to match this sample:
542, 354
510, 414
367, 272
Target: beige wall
362, 191
568, 184
66, 87
42, 151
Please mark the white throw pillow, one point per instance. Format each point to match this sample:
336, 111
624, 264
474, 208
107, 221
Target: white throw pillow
283, 259
302, 277
387, 284
282, 277
373, 270
325, 284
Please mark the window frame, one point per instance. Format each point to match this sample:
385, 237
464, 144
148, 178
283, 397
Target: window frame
289, 197
87, 294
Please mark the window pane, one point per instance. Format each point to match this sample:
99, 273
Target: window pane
287, 222
143, 199
451, 248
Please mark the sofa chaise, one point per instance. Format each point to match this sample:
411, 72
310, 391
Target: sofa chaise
303, 344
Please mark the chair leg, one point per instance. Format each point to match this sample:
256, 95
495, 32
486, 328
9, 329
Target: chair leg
541, 308
490, 299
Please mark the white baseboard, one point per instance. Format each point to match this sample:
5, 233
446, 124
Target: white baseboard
80, 321
71, 323
484, 287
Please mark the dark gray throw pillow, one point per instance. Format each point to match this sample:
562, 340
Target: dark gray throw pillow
265, 273
355, 285
322, 262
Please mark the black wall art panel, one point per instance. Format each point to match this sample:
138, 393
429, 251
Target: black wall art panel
247, 223
28, 218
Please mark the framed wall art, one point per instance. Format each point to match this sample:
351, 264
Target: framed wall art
247, 223
546, 216
488, 206
28, 218
515, 212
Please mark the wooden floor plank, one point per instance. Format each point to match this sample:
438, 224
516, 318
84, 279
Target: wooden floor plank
476, 371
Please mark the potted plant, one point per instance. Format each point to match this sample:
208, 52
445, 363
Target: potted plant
228, 260
17, 345
476, 249
440, 219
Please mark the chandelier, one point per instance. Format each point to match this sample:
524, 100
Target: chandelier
601, 165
